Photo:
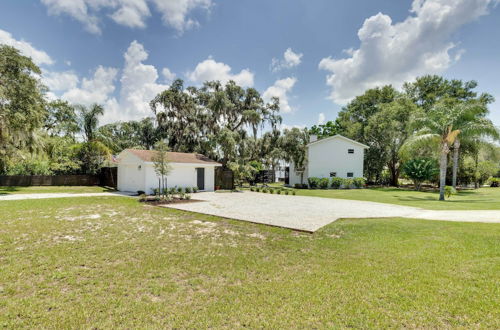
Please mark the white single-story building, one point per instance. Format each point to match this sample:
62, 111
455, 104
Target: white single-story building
335, 156
136, 171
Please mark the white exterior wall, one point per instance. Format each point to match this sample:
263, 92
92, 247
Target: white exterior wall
181, 175
294, 177
130, 177
332, 156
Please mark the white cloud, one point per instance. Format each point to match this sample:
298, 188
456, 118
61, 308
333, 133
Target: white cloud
131, 13
321, 118
78, 9
175, 12
168, 75
391, 53
281, 88
138, 83
138, 87
96, 89
39, 56
290, 60
60, 81
209, 70
283, 127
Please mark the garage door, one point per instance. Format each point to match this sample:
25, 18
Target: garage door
130, 178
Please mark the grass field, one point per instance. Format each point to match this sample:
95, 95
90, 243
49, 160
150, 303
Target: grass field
5, 190
471, 199
111, 262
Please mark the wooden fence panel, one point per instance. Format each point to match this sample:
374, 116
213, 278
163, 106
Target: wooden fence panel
49, 180
224, 178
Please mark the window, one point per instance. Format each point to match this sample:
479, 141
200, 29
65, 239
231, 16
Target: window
350, 151
350, 174
333, 174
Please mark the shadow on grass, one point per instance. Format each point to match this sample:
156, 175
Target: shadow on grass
7, 190
416, 199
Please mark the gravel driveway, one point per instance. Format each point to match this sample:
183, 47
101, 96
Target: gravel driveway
311, 213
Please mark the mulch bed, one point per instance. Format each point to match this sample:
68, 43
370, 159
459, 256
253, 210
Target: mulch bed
174, 201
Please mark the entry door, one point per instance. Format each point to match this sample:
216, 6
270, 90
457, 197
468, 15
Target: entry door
200, 178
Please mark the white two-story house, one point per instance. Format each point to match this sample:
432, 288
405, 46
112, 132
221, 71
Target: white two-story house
335, 156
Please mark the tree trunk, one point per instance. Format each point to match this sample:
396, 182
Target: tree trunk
476, 165
456, 147
393, 168
443, 164
418, 185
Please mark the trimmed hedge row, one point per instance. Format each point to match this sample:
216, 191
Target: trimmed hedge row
271, 190
334, 183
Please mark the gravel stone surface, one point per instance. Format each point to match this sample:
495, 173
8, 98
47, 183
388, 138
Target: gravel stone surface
311, 213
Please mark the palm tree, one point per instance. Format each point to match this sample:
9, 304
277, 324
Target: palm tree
89, 120
93, 152
442, 125
475, 129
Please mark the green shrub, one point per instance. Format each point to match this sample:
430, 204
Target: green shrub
252, 189
264, 190
348, 183
30, 167
359, 182
180, 190
449, 191
172, 191
419, 170
278, 191
156, 191
271, 191
188, 197
257, 189
494, 182
336, 182
286, 192
188, 190
294, 192
313, 182
323, 183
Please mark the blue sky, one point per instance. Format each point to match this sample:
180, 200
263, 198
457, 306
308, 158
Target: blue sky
315, 55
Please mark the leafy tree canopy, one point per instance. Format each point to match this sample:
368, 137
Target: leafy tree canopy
22, 106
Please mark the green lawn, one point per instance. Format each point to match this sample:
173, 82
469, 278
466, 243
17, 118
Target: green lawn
112, 262
5, 190
471, 199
